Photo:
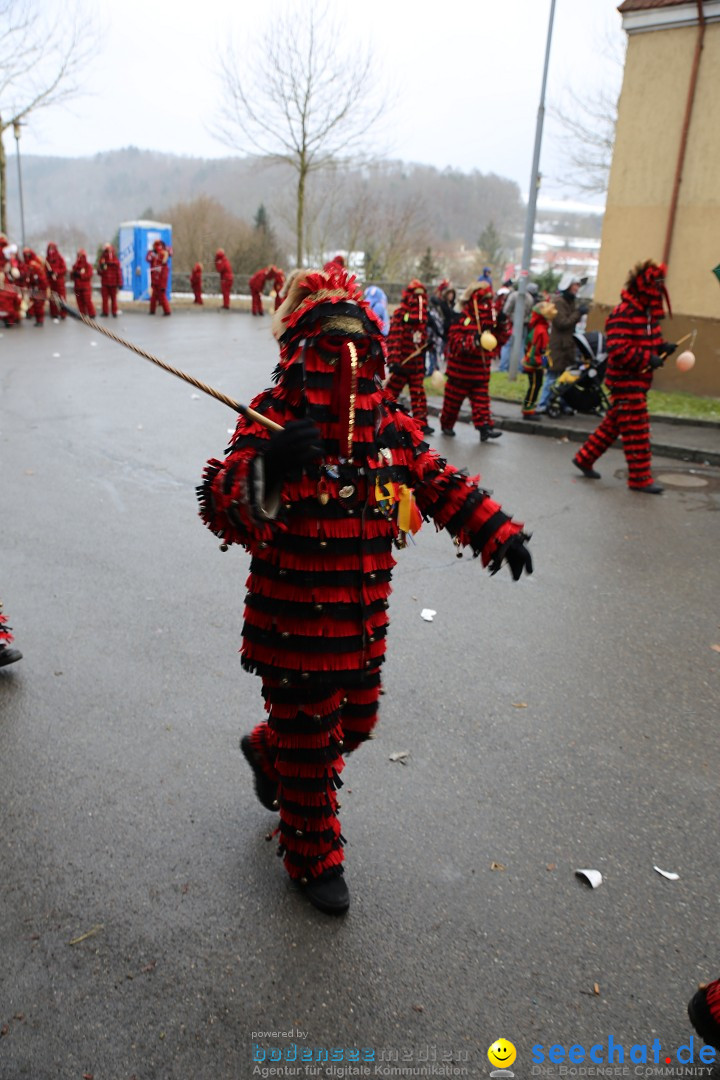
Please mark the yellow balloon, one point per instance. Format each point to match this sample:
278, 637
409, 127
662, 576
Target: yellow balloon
488, 341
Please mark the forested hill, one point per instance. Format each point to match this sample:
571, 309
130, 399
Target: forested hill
83, 200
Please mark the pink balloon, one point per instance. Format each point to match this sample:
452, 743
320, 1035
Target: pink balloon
685, 360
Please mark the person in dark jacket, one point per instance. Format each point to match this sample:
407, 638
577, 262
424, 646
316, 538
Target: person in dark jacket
562, 344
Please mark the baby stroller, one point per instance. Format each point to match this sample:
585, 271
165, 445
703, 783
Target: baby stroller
580, 387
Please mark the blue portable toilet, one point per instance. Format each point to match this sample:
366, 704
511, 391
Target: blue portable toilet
136, 238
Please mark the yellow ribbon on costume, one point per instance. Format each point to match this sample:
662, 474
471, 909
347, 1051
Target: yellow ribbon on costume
409, 517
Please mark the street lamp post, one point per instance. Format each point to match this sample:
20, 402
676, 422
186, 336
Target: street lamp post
517, 337
17, 124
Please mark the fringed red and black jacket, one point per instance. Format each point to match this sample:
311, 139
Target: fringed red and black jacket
321, 545
408, 329
633, 336
466, 358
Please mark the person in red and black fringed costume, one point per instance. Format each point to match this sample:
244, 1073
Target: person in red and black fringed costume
36, 283
8, 655
111, 280
159, 259
407, 342
55, 270
81, 274
704, 1013
468, 363
635, 350
224, 269
319, 506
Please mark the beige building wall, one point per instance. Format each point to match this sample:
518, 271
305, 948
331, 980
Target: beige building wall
650, 121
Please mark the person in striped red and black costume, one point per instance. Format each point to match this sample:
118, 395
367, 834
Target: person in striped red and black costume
635, 350
407, 344
319, 505
468, 364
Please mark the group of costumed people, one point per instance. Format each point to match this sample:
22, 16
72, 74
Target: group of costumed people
29, 282
272, 275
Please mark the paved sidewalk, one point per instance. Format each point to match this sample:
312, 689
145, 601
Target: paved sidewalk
695, 441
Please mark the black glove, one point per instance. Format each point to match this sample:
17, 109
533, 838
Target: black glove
518, 558
395, 369
296, 445
666, 349
583, 309
656, 361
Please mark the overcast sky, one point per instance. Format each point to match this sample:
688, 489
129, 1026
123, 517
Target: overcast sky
467, 77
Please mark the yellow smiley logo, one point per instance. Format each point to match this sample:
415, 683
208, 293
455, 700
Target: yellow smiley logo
502, 1053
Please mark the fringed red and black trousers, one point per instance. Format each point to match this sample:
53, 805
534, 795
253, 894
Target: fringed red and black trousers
457, 388
413, 374
302, 748
628, 418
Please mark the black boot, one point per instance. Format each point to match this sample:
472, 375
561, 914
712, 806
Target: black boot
650, 489
586, 470
9, 656
488, 432
265, 788
449, 432
328, 892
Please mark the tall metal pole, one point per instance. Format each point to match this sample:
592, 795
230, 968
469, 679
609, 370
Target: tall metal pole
16, 133
519, 315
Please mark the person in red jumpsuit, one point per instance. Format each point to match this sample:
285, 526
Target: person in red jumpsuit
468, 363
278, 280
635, 350
257, 284
320, 505
36, 283
56, 271
407, 343
159, 259
111, 279
10, 284
81, 274
196, 282
224, 269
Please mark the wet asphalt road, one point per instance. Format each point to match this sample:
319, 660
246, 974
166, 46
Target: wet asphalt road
565, 721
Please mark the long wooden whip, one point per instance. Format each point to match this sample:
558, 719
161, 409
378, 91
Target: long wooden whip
244, 410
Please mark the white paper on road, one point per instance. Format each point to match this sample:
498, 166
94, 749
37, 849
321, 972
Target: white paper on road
593, 877
428, 614
669, 874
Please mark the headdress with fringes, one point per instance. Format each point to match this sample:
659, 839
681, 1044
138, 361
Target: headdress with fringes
313, 295
480, 288
647, 281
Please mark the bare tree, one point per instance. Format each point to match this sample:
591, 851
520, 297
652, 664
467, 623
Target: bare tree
588, 125
40, 65
300, 99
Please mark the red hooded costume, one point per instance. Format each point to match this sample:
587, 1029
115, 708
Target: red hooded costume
35, 281
256, 285
159, 259
468, 363
196, 282
111, 279
56, 270
224, 269
407, 342
81, 275
635, 349
320, 530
